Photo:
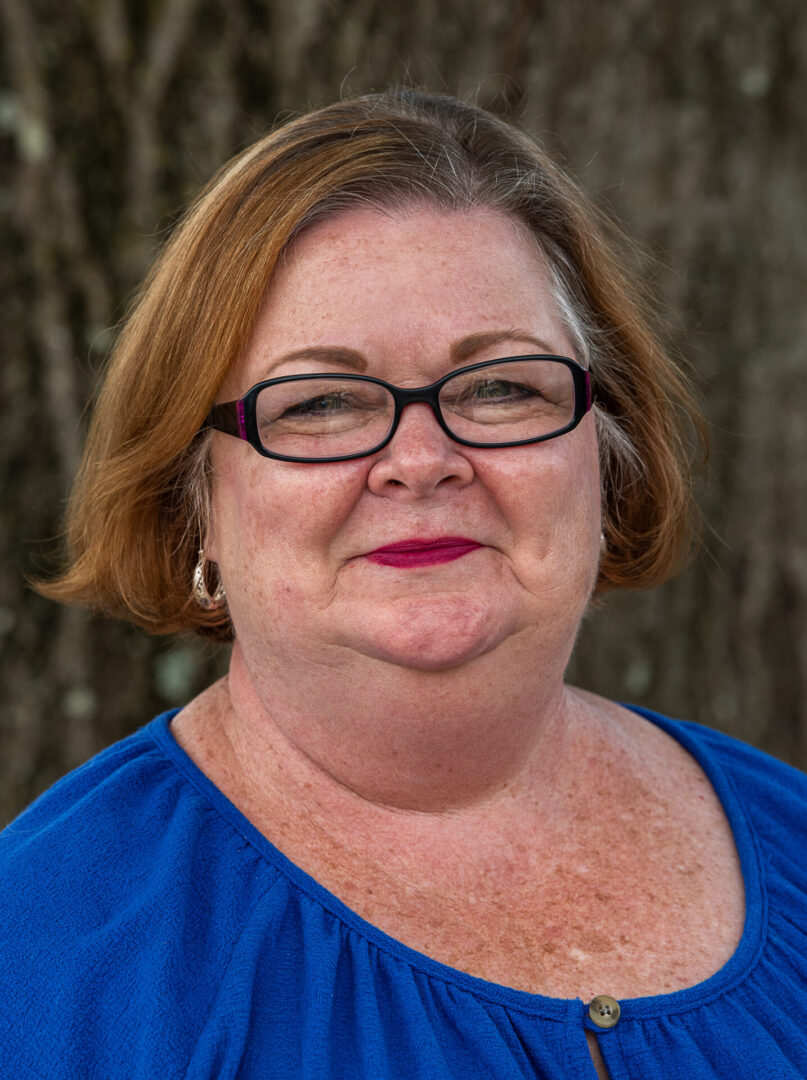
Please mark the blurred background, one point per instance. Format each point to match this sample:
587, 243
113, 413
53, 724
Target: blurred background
687, 119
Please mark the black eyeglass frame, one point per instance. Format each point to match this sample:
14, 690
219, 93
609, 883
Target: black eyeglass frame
238, 417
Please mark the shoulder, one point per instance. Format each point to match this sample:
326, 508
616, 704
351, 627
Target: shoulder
773, 793
115, 882
99, 819
746, 763
84, 807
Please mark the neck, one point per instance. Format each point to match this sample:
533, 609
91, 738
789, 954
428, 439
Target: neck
399, 738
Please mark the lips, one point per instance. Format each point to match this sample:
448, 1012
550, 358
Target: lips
410, 553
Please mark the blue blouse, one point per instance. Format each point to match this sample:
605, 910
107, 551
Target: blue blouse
148, 931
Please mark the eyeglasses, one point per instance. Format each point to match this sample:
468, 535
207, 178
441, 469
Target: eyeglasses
329, 417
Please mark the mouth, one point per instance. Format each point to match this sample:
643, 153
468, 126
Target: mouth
410, 553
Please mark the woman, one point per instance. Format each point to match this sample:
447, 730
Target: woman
350, 426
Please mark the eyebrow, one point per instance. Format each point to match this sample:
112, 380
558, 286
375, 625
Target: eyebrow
335, 353
460, 350
469, 346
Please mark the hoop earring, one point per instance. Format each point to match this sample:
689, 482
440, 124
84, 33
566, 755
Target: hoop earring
200, 593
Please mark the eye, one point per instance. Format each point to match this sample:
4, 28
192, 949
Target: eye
495, 390
326, 403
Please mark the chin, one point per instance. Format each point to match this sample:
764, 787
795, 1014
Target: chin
434, 633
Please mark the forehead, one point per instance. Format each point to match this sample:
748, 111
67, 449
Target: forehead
403, 288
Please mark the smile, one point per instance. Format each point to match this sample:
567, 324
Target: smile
409, 553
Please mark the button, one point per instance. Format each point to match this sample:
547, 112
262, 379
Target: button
604, 1011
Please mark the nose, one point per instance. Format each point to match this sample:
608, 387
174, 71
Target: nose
420, 459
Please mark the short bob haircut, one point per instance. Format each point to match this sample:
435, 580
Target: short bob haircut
136, 518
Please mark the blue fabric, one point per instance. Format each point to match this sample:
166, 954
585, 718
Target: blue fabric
147, 930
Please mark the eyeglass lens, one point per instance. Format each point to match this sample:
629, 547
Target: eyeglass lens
330, 417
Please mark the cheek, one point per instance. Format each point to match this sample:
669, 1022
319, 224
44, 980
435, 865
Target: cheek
551, 491
264, 512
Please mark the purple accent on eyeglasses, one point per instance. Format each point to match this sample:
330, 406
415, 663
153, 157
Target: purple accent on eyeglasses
588, 390
242, 424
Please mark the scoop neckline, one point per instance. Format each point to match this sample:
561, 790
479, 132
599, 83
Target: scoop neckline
734, 971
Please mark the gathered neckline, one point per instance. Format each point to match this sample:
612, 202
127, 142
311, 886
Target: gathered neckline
734, 971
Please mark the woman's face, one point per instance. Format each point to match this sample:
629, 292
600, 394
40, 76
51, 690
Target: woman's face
406, 293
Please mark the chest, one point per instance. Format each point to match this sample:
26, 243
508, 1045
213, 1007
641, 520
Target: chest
635, 891
579, 923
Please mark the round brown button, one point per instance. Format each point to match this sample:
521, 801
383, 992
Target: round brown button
604, 1011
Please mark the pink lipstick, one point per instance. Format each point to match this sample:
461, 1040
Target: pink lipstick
408, 553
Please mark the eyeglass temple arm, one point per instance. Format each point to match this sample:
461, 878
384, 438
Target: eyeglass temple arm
229, 418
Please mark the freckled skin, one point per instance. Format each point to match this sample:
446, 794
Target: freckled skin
406, 735
536, 509
291, 540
